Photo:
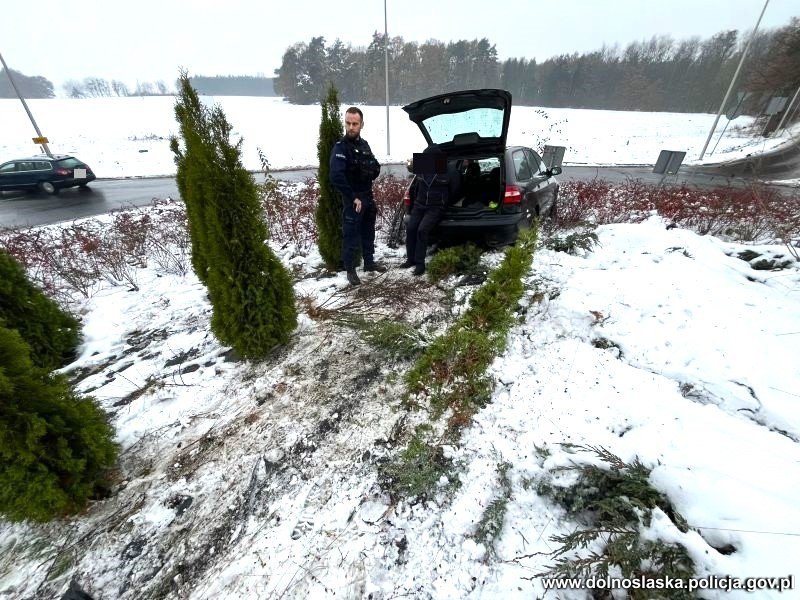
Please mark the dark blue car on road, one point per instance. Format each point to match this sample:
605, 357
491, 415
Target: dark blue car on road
46, 174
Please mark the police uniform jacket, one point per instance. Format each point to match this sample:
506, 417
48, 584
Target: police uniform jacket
353, 168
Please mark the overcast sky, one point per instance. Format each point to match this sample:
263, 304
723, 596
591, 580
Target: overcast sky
148, 40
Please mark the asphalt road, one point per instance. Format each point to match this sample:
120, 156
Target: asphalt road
19, 209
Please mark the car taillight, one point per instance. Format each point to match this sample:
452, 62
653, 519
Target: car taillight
407, 199
62, 172
512, 195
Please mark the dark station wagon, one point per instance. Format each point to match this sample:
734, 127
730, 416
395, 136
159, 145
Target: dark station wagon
46, 174
501, 188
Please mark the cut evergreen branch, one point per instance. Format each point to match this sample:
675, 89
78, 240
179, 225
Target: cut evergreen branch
419, 469
614, 503
573, 243
490, 526
463, 260
452, 371
395, 339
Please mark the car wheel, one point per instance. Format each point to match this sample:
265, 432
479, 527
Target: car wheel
47, 187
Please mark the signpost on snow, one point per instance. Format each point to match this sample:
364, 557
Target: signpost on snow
41, 139
733, 112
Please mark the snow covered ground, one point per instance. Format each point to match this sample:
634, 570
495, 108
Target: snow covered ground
127, 137
259, 479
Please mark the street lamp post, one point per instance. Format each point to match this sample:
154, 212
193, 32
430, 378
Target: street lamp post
386, 71
733, 81
25, 105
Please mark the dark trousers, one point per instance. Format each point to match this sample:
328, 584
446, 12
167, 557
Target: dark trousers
358, 227
420, 225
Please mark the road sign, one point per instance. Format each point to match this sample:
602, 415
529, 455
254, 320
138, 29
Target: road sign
553, 156
668, 162
776, 104
41, 140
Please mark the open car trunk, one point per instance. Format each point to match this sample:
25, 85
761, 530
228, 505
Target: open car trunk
480, 188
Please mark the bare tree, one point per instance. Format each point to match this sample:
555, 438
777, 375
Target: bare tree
74, 89
144, 88
119, 88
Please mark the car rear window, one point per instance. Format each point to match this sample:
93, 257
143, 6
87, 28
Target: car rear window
486, 122
70, 163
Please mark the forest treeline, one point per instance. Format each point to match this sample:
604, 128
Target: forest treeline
659, 74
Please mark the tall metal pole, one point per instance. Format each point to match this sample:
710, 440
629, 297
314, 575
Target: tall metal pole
21, 99
386, 72
788, 110
733, 81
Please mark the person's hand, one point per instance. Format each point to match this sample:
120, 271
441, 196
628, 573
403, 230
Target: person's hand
357, 205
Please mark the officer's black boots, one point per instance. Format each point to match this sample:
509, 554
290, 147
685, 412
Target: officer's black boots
406, 265
375, 268
352, 277
419, 270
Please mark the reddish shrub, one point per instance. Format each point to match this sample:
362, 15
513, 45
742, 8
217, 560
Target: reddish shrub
289, 211
388, 191
289, 208
757, 213
71, 259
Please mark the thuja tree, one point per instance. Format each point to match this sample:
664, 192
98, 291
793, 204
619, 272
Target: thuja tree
51, 333
56, 449
250, 290
329, 209
192, 160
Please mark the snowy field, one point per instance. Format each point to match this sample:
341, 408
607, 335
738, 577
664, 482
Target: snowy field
127, 137
259, 479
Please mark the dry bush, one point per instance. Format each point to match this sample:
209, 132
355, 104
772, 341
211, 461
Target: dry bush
752, 214
289, 211
289, 207
388, 191
169, 245
68, 261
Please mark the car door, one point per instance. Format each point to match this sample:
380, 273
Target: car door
532, 184
543, 188
9, 180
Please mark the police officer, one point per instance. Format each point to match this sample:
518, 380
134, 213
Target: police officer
353, 168
431, 193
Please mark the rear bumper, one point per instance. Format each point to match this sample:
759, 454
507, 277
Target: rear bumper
491, 229
65, 183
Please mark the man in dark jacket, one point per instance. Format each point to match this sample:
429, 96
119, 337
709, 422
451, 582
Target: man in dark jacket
353, 168
430, 193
